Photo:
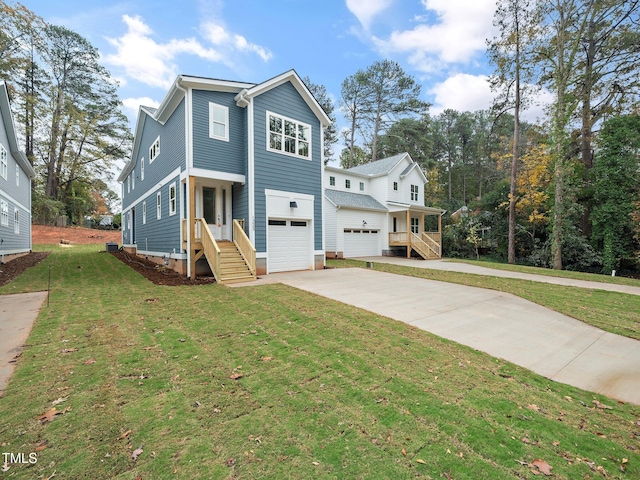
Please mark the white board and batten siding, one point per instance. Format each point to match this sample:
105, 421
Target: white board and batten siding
289, 231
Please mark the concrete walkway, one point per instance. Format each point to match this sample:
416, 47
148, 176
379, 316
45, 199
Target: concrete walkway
467, 268
502, 325
17, 314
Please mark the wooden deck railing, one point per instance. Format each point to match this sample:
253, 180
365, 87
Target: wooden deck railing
209, 245
398, 238
245, 247
433, 240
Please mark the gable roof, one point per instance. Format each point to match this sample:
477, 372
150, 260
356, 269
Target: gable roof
7, 120
298, 84
353, 200
379, 167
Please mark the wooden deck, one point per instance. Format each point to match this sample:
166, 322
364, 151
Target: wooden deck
428, 245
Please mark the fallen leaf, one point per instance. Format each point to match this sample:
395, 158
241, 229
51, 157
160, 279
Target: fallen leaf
124, 435
266, 359
419, 460
543, 466
555, 444
230, 462
69, 350
136, 453
526, 440
59, 400
315, 463
404, 452
50, 414
235, 376
216, 410
43, 444
90, 361
533, 407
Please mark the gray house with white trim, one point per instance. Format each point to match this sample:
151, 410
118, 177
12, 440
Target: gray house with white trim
226, 177
16, 174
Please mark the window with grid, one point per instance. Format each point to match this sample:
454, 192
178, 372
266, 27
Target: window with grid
288, 136
218, 121
144, 213
154, 150
142, 168
16, 221
159, 205
414, 193
3, 162
4, 213
172, 199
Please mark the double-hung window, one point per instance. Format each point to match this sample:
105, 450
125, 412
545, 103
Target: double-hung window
154, 150
159, 205
415, 225
144, 213
4, 213
362, 186
414, 193
172, 199
17, 175
219, 121
332, 181
347, 183
3, 162
142, 169
288, 136
16, 221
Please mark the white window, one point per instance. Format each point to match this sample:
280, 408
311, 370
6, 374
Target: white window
218, 121
133, 180
332, 181
128, 183
4, 213
414, 193
395, 186
415, 225
159, 205
362, 186
144, 213
17, 175
288, 136
154, 150
142, 169
129, 221
347, 183
16, 221
172, 199
3, 162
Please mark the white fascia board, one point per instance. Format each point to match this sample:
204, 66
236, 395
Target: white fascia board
281, 193
142, 114
13, 201
175, 173
298, 84
214, 84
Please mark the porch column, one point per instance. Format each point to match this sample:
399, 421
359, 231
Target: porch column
421, 227
192, 227
440, 223
408, 234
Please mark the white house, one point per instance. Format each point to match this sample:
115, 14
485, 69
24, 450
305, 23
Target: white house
378, 209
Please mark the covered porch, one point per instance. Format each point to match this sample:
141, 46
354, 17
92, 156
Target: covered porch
209, 230
416, 228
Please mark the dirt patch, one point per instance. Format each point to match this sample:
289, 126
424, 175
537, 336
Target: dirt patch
159, 274
44, 234
15, 267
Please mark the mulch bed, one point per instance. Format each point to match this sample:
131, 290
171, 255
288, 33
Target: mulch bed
159, 274
13, 268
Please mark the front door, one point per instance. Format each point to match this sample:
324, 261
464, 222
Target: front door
216, 210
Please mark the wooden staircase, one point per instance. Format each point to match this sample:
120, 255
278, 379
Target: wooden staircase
233, 267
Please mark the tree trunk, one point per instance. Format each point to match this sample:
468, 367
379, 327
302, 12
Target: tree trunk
511, 249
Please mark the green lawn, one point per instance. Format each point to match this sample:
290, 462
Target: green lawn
611, 311
323, 390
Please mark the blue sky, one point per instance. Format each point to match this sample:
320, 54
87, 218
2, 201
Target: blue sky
145, 44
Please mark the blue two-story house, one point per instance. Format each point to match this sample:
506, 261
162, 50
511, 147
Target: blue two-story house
227, 176
16, 174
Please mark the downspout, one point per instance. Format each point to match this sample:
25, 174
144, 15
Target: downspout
187, 163
336, 255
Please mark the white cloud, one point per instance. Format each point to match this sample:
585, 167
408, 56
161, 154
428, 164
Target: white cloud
460, 33
366, 10
132, 105
462, 92
154, 64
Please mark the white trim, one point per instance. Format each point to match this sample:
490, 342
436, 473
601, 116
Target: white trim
159, 205
144, 212
297, 123
17, 175
151, 190
141, 168
13, 252
212, 107
177, 256
251, 173
282, 193
217, 175
16, 220
15, 202
4, 162
261, 254
4, 213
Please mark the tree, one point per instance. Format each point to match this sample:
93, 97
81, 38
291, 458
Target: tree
517, 21
446, 143
412, 136
616, 194
389, 94
353, 158
352, 92
330, 133
19, 26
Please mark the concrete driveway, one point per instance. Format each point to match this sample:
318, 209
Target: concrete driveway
17, 314
502, 325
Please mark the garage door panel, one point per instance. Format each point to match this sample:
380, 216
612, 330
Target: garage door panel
289, 245
361, 243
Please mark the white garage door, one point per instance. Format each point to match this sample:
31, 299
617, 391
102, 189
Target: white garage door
289, 245
361, 242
